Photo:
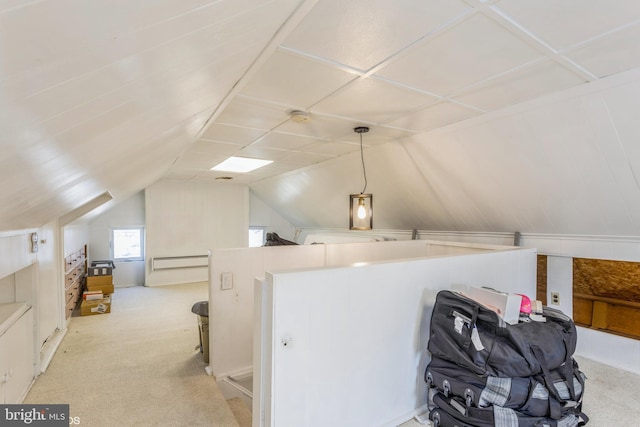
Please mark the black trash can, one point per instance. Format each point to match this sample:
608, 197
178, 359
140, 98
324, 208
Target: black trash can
201, 308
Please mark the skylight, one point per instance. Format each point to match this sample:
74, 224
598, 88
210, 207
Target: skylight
240, 164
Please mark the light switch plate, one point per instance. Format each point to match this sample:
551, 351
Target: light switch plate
227, 281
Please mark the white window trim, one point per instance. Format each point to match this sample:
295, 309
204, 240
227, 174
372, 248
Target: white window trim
142, 246
264, 234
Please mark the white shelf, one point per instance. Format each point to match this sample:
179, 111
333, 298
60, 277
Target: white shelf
9, 313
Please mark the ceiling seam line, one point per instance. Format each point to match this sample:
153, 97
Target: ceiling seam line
298, 14
520, 31
619, 140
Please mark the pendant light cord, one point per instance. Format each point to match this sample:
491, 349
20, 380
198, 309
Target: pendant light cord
364, 170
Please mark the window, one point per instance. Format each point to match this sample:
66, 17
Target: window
127, 244
256, 237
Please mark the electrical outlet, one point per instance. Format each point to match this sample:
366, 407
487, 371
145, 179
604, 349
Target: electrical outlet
555, 298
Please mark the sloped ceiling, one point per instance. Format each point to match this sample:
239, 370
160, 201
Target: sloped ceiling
496, 115
104, 96
564, 164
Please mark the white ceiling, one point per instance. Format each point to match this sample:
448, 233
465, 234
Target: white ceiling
113, 95
405, 67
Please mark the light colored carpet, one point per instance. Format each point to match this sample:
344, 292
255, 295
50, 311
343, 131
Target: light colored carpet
610, 398
136, 366
241, 411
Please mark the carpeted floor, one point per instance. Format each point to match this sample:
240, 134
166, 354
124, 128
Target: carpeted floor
136, 366
610, 398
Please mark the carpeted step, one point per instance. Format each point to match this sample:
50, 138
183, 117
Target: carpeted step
241, 411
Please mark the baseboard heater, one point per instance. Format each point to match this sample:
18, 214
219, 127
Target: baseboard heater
179, 262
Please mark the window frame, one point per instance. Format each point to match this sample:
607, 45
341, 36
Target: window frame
264, 235
113, 239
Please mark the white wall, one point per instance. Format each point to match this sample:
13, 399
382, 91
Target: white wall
131, 212
560, 280
613, 350
190, 218
231, 310
49, 307
349, 344
262, 215
128, 213
8, 289
74, 237
15, 251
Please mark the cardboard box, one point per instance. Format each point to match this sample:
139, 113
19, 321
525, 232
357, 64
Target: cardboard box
105, 289
93, 307
100, 271
99, 280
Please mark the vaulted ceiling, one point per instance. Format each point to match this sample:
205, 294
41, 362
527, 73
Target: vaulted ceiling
494, 115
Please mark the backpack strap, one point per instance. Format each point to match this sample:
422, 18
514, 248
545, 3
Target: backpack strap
555, 401
583, 419
568, 372
460, 320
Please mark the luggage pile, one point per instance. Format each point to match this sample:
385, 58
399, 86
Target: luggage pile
486, 372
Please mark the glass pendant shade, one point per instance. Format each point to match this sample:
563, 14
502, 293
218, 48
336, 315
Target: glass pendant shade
360, 211
361, 205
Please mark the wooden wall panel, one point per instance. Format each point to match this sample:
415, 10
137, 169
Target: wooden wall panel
541, 280
582, 311
625, 320
606, 295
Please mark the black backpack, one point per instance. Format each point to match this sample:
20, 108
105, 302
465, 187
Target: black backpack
451, 412
526, 395
478, 340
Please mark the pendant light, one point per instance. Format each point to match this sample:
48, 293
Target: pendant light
361, 205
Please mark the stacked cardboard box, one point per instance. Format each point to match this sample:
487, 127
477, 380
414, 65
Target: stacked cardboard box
100, 283
97, 298
101, 277
91, 307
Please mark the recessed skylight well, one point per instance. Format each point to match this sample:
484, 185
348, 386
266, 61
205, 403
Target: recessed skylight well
240, 164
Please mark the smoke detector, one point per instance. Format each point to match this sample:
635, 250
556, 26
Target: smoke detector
300, 116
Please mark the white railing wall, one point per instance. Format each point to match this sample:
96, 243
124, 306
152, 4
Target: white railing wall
347, 345
233, 271
231, 300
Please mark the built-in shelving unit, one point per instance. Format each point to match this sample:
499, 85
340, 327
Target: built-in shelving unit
16, 351
75, 274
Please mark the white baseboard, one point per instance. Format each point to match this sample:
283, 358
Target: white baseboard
408, 416
237, 373
49, 349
